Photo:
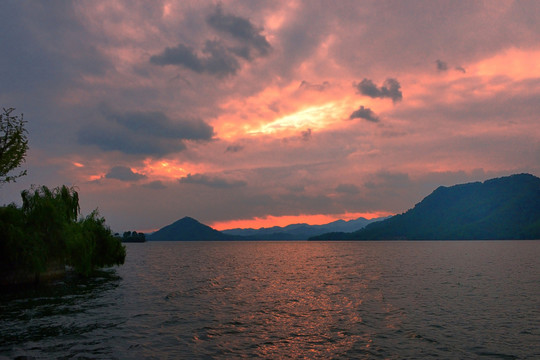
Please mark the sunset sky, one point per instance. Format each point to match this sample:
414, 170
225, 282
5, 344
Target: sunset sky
261, 113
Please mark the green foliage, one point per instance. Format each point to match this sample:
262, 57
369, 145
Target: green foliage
107, 250
13, 144
20, 248
45, 231
49, 213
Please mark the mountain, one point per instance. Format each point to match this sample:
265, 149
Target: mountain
300, 231
501, 208
188, 229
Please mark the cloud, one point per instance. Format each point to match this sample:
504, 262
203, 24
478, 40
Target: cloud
390, 89
347, 189
77, 55
124, 173
156, 123
441, 65
388, 179
242, 30
364, 113
156, 185
306, 135
234, 148
211, 181
179, 55
317, 87
144, 133
217, 59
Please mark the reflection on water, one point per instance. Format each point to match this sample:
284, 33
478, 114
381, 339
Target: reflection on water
389, 300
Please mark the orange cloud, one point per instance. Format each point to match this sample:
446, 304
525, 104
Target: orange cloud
514, 63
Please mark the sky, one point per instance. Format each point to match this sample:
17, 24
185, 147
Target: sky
262, 113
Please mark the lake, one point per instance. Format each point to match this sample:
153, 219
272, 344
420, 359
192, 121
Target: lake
315, 300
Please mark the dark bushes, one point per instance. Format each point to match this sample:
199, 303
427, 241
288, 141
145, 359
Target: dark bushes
45, 233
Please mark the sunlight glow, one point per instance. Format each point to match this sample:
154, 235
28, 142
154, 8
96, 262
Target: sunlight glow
96, 177
319, 219
314, 117
169, 169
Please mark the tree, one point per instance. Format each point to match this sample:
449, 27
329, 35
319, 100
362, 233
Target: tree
13, 144
44, 233
133, 236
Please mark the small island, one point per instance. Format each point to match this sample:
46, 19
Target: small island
132, 237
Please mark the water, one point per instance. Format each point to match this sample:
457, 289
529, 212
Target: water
316, 300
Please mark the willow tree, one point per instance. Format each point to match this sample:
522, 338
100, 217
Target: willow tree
13, 144
45, 234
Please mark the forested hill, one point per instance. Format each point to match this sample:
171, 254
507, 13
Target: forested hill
501, 208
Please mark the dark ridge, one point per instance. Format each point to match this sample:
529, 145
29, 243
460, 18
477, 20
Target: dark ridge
188, 229
503, 208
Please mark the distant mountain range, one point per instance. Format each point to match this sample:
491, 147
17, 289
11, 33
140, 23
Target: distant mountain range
189, 229
501, 208
300, 231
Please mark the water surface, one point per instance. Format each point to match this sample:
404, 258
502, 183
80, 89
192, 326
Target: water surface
320, 300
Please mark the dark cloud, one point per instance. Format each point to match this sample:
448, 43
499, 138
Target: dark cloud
144, 133
234, 148
242, 30
317, 87
217, 59
124, 173
306, 135
441, 65
211, 181
364, 113
179, 55
156, 123
390, 89
347, 189
156, 185
127, 142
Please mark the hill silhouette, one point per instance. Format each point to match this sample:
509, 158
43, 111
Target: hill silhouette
501, 208
300, 231
188, 229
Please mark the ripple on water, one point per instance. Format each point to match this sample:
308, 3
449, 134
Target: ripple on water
389, 300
